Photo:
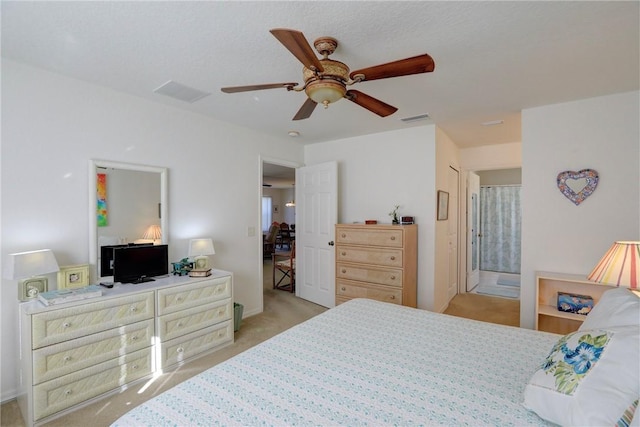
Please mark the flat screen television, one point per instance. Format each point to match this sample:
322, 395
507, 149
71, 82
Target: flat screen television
138, 264
106, 257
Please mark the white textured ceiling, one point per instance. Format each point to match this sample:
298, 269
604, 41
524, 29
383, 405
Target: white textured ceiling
493, 59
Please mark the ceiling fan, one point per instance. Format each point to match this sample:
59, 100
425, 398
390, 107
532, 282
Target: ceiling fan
326, 80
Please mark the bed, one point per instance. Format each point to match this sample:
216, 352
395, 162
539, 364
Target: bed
365, 363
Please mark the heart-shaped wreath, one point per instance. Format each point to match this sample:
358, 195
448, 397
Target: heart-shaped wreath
586, 180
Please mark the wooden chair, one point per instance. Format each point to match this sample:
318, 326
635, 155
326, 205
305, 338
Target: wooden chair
285, 263
269, 242
285, 235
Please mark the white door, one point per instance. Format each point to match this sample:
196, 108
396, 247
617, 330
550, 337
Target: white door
317, 214
473, 231
453, 226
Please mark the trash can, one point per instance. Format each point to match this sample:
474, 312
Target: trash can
237, 316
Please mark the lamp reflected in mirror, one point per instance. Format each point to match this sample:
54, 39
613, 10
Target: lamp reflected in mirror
154, 233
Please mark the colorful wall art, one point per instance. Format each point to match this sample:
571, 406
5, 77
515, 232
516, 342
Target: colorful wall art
102, 199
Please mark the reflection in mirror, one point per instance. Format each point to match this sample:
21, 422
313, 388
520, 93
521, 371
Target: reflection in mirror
127, 205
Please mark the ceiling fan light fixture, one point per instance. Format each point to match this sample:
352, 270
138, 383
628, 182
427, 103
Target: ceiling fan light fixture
325, 91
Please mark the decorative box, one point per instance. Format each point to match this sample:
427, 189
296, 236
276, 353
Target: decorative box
572, 303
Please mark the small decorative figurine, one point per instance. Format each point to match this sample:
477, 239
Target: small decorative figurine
182, 267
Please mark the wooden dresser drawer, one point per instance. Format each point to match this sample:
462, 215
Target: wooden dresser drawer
71, 356
186, 346
176, 324
59, 394
370, 237
56, 326
375, 256
181, 297
363, 273
346, 289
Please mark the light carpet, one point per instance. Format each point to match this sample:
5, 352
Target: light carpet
499, 290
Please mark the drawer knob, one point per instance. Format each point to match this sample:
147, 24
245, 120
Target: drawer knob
180, 350
393, 297
179, 298
344, 235
179, 324
344, 270
67, 358
393, 277
134, 367
66, 325
68, 392
393, 258
343, 288
134, 338
133, 309
393, 237
344, 253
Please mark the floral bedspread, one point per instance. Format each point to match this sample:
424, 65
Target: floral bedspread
364, 363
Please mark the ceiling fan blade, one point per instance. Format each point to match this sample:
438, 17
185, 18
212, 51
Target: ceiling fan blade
403, 67
235, 89
298, 45
305, 111
370, 103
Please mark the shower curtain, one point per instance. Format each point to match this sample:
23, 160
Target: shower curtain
500, 220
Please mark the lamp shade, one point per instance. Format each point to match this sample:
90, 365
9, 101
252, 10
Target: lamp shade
29, 264
620, 266
199, 247
154, 232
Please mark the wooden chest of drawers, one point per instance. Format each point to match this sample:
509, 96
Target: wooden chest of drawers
77, 352
377, 262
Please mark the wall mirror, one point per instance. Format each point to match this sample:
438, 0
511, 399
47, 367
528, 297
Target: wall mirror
125, 201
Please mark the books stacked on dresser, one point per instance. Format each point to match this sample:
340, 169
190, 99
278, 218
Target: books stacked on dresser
62, 296
200, 272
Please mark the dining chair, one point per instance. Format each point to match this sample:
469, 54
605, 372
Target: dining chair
285, 235
285, 263
269, 242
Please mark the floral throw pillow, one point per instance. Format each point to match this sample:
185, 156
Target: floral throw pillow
588, 378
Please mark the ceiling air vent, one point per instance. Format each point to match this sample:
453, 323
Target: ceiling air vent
415, 118
181, 92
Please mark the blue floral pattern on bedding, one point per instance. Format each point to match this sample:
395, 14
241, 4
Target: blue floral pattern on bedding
364, 363
569, 361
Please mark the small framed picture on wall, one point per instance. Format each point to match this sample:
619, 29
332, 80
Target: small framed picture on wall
276, 209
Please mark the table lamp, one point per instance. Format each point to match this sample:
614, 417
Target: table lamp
200, 249
154, 232
29, 266
620, 266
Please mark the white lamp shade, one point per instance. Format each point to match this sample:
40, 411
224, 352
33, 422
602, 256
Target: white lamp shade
620, 266
29, 264
154, 232
199, 247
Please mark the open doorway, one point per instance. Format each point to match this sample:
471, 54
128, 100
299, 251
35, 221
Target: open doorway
278, 207
495, 252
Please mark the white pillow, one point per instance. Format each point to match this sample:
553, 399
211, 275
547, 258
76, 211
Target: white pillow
589, 378
617, 307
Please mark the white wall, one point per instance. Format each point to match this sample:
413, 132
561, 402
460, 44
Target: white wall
52, 125
599, 133
377, 172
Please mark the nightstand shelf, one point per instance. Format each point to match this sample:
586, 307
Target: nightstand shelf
548, 317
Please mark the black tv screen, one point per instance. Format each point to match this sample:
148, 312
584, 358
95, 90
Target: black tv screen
137, 264
106, 257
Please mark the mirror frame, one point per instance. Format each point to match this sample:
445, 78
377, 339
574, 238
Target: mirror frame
93, 200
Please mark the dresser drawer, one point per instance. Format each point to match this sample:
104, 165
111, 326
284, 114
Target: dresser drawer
369, 237
346, 289
71, 356
190, 345
56, 326
375, 256
181, 297
182, 322
362, 273
59, 394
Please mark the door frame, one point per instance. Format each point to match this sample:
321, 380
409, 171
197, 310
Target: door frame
274, 161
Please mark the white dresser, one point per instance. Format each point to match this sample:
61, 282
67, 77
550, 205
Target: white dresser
377, 262
72, 354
